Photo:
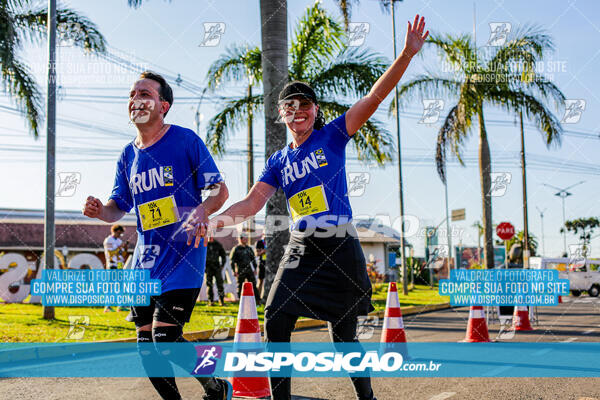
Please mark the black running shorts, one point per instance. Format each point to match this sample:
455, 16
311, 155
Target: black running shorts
172, 307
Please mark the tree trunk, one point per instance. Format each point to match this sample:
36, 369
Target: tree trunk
485, 169
273, 14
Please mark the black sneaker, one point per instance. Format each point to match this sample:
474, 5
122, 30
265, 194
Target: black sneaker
223, 392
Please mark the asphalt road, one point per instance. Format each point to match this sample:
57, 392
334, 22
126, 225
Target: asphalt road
578, 319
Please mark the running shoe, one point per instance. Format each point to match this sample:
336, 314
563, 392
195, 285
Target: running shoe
223, 392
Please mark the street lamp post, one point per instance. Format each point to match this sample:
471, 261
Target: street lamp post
401, 197
542, 218
49, 229
563, 194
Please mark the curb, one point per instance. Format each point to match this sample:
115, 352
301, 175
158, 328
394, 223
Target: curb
301, 324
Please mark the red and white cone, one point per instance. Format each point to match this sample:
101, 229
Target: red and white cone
477, 330
521, 319
393, 325
247, 330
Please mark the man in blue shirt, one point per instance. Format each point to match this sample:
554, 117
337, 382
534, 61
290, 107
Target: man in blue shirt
162, 174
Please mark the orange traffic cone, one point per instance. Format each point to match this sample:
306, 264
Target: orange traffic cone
521, 319
477, 330
393, 325
247, 330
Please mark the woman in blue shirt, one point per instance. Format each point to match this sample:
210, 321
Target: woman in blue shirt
323, 272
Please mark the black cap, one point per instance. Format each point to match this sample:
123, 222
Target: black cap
297, 88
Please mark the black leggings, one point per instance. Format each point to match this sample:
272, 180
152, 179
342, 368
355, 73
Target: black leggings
278, 328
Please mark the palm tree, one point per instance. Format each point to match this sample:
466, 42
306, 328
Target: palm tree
22, 21
239, 63
319, 56
519, 239
584, 227
502, 76
346, 8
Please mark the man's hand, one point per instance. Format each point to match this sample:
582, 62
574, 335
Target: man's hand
414, 36
93, 207
196, 226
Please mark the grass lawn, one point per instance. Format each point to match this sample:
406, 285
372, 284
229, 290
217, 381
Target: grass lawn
24, 322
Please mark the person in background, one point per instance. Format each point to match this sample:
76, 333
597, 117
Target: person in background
243, 262
262, 261
215, 261
114, 252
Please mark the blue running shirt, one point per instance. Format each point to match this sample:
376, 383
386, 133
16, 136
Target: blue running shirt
164, 183
313, 177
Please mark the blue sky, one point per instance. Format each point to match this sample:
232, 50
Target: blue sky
93, 124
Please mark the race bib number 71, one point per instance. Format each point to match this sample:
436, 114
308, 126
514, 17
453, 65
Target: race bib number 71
157, 213
308, 201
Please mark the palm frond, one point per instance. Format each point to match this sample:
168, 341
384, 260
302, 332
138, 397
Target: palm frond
9, 37
345, 7
83, 32
452, 134
353, 73
526, 45
231, 117
372, 141
428, 86
238, 62
459, 51
533, 109
21, 85
547, 91
316, 38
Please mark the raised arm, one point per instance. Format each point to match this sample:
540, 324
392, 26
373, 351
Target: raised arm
363, 109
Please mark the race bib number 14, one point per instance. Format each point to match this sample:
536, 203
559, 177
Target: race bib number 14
307, 202
157, 213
